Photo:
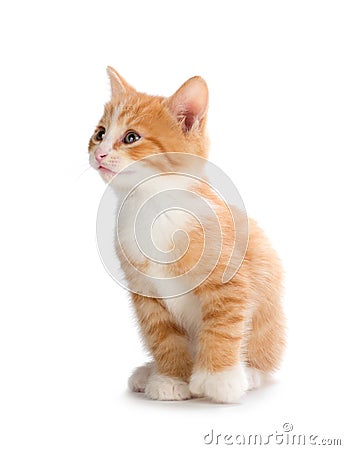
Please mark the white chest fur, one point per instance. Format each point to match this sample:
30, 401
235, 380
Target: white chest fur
186, 311
148, 218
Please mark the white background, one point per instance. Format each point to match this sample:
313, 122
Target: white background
276, 75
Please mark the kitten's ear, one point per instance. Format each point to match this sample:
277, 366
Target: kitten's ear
189, 103
118, 84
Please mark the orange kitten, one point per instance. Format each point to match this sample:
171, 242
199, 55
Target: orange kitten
214, 339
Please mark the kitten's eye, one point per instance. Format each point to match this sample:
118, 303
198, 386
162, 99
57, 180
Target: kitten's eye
98, 136
130, 137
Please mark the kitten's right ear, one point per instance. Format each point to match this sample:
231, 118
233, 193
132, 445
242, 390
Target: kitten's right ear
118, 84
189, 103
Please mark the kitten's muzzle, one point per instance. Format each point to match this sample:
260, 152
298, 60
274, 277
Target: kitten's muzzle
100, 154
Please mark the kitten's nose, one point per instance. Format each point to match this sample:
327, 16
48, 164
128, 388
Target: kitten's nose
100, 154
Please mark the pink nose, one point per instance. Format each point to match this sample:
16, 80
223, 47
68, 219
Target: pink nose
100, 154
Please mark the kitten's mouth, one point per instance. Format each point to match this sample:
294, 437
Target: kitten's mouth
106, 170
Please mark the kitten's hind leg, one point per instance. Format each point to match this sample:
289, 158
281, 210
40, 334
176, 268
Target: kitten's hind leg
138, 380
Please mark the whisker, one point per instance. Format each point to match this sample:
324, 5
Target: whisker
83, 172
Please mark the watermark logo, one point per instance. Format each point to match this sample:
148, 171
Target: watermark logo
287, 436
167, 212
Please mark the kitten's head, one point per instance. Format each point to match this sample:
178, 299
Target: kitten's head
136, 125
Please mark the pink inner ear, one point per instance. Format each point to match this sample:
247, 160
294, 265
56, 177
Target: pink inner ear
189, 119
187, 113
189, 103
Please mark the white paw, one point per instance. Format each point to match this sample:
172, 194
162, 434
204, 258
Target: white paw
138, 380
197, 383
226, 386
161, 387
254, 377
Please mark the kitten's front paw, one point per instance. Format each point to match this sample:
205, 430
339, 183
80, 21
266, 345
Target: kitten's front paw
254, 377
138, 380
197, 383
161, 387
226, 386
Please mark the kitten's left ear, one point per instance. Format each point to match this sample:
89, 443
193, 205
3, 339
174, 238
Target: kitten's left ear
118, 84
190, 102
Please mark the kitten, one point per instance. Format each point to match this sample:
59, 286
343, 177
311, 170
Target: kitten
219, 339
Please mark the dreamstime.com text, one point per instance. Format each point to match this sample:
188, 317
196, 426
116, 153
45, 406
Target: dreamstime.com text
286, 436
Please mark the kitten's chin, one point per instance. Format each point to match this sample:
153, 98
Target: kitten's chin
106, 174
122, 180
106, 171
